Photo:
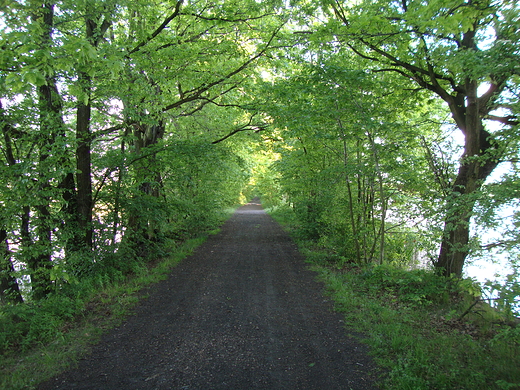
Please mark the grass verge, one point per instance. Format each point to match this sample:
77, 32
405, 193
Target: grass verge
27, 367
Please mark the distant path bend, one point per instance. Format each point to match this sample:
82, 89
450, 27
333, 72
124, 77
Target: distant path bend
243, 312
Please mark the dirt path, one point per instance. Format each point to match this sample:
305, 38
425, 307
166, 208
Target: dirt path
243, 312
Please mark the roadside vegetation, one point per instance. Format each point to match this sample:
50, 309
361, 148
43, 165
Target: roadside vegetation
398, 168
42, 340
387, 130
426, 331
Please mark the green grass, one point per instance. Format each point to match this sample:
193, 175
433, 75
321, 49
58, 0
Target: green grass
420, 340
416, 324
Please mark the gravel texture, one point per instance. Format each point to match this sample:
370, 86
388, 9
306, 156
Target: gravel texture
242, 312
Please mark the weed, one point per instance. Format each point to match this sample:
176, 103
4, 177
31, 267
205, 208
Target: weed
404, 316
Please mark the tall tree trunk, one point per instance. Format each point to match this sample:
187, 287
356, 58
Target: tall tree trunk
41, 264
83, 165
51, 155
94, 34
379, 235
9, 289
50, 109
50, 120
352, 212
117, 195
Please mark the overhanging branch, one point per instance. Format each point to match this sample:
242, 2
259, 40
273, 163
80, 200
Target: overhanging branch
250, 126
159, 29
196, 93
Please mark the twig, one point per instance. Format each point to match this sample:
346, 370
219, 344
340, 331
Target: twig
477, 300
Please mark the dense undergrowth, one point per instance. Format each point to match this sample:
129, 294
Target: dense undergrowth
39, 339
424, 330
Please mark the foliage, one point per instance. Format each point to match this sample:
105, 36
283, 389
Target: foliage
369, 109
115, 121
24, 326
453, 51
195, 193
128, 127
415, 287
505, 294
355, 173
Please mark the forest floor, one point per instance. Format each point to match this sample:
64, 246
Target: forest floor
242, 312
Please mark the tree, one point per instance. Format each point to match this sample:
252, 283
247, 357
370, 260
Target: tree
351, 161
453, 50
92, 93
197, 57
51, 152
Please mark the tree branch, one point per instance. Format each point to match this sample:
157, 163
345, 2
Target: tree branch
254, 128
204, 101
489, 97
340, 12
506, 120
109, 130
159, 29
239, 20
196, 93
406, 65
247, 127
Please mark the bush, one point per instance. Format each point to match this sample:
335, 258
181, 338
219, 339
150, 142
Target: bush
23, 327
414, 287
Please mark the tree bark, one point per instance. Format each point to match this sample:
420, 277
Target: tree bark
50, 109
9, 289
476, 165
84, 203
84, 170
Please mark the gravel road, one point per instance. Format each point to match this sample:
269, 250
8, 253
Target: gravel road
242, 312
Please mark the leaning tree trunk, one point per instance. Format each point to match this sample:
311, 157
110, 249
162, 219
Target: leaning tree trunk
459, 208
476, 165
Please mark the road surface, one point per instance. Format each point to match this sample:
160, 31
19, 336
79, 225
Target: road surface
243, 312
